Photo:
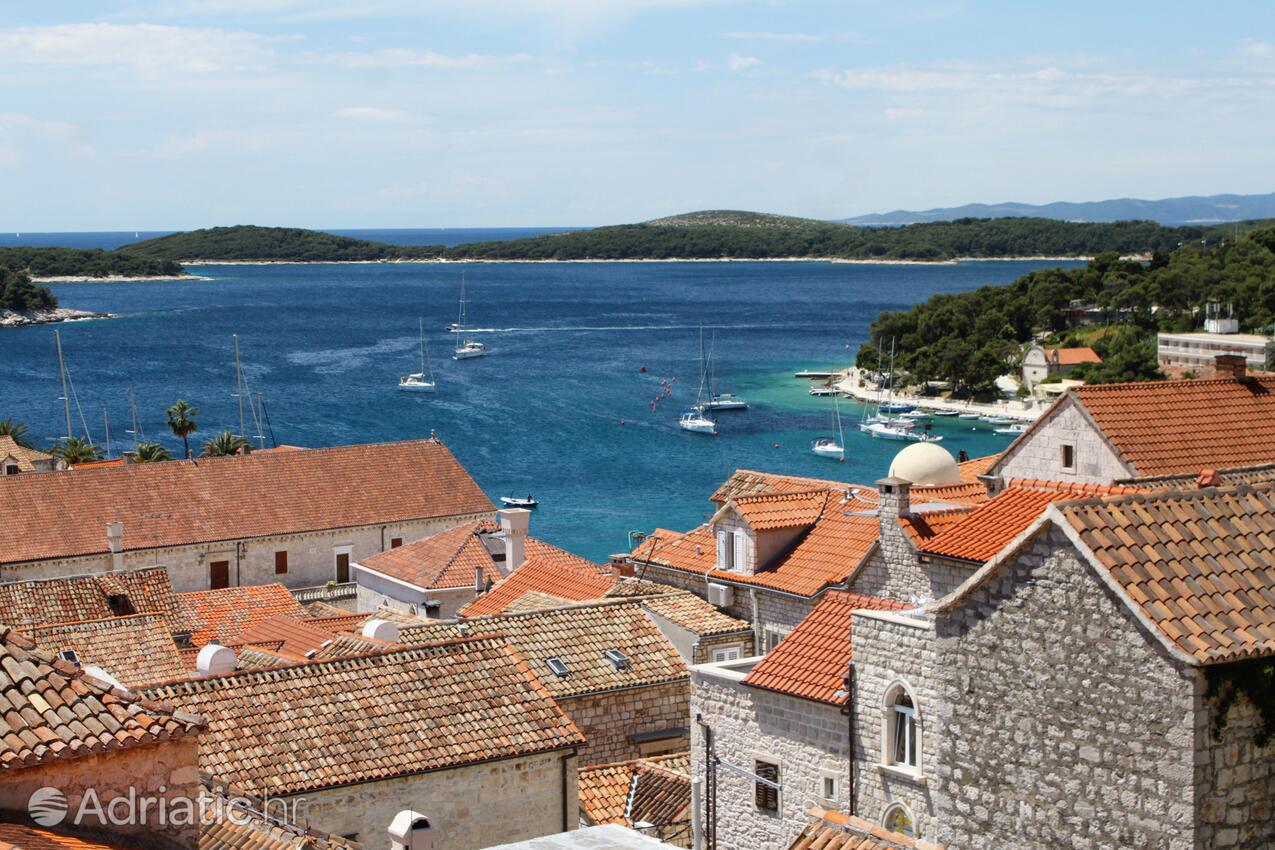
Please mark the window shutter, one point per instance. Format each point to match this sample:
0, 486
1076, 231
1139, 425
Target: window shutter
767, 798
740, 559
723, 551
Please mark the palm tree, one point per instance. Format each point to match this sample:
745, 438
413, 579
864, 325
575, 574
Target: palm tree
16, 430
73, 450
152, 453
181, 418
225, 444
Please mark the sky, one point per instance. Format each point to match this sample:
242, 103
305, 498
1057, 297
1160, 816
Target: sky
173, 114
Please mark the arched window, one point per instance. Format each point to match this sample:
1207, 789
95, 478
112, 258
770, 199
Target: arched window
901, 746
899, 819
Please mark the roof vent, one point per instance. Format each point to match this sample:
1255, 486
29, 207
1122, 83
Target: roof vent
382, 630
557, 667
215, 659
70, 656
617, 658
410, 831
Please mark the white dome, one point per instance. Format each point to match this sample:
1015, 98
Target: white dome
926, 465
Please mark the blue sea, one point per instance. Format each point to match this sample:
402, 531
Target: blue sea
567, 406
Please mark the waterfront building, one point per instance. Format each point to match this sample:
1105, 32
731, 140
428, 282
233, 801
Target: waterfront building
1040, 363
1197, 351
300, 518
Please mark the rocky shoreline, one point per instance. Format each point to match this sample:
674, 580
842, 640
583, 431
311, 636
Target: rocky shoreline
10, 319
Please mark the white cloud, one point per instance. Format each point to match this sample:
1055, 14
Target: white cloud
371, 113
401, 57
738, 63
146, 49
798, 37
21, 132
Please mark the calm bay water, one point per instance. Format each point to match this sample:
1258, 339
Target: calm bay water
560, 408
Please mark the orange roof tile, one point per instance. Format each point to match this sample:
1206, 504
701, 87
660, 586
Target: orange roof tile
100, 464
180, 503
921, 527
1072, 356
449, 558
980, 534
1199, 565
692, 613
131, 649
92, 597
811, 661
562, 575
750, 482
836, 831
305, 639
54, 711
26, 458
224, 614
970, 470
769, 511
325, 724
965, 493
655, 790
1174, 427
252, 829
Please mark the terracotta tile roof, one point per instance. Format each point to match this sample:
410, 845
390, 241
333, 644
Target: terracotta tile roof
226, 613
17, 836
183, 502
324, 609
99, 464
88, 597
579, 636
965, 493
979, 535
1200, 565
694, 614
769, 511
324, 724
131, 649
835, 831
534, 600
750, 482
811, 661
301, 639
26, 458
345, 622
1176, 427
1262, 473
922, 527
446, 559
637, 587
52, 710
559, 577
654, 790
970, 470
251, 829
1072, 356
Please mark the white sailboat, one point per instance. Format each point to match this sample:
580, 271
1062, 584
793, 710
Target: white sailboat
882, 427
832, 446
466, 349
422, 381
696, 420
719, 400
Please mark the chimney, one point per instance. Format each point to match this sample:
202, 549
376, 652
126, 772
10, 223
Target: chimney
1230, 366
115, 542
382, 630
480, 581
410, 831
514, 523
215, 659
895, 499
621, 565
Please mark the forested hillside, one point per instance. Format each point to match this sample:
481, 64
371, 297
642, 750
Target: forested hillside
58, 262
249, 242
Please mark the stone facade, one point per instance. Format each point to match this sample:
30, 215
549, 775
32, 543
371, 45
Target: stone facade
609, 720
311, 556
168, 770
442, 604
469, 807
1235, 780
806, 739
1039, 454
702, 650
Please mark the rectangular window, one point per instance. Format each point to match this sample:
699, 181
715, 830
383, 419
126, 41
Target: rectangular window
725, 561
1069, 457
280, 563
725, 653
904, 749
772, 639
218, 574
766, 795
829, 788
396, 542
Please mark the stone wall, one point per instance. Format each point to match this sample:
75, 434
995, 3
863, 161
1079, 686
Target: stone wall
168, 770
1063, 723
1235, 779
892, 649
607, 720
311, 556
375, 591
1040, 454
702, 651
808, 740
468, 807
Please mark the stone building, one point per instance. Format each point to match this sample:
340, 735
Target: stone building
458, 729
16, 459
605, 663
1123, 433
1040, 363
300, 518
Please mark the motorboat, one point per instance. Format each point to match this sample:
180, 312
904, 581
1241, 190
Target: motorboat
725, 401
529, 502
821, 391
896, 407
1016, 428
996, 420
943, 412
968, 416
468, 350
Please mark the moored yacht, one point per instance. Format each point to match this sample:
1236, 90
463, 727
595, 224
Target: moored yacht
422, 381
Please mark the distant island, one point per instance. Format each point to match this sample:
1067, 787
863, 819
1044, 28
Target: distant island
1200, 210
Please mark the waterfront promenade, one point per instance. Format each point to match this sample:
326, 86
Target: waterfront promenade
854, 384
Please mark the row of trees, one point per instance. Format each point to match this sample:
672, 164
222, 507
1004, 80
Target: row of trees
971, 338
181, 421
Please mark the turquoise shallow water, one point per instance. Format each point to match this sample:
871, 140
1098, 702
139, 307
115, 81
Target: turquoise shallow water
543, 413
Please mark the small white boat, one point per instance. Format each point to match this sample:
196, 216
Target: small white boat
914, 415
828, 447
881, 431
1016, 428
820, 391
468, 350
891, 421
725, 401
996, 420
943, 412
422, 381
529, 502
697, 423
968, 416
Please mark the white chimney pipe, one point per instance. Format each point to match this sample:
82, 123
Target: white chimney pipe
410, 831
215, 660
382, 630
514, 523
115, 542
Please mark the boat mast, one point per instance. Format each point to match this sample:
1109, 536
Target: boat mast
238, 382
106, 423
132, 404
66, 396
422, 322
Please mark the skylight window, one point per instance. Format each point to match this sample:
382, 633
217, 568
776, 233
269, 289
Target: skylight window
71, 656
618, 658
557, 667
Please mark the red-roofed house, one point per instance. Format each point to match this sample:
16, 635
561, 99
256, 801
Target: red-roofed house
1040, 363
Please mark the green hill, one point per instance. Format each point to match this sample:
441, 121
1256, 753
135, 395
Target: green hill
733, 218
283, 244
77, 262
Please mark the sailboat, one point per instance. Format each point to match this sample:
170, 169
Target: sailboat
695, 420
882, 427
466, 349
832, 446
718, 400
422, 381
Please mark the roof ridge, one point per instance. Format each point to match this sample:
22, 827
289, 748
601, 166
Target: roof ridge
609, 601
1144, 496
1194, 382
152, 615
